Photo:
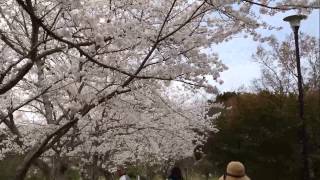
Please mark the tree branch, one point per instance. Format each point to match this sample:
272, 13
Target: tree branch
283, 7
14, 80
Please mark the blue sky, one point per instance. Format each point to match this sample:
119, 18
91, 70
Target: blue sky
236, 54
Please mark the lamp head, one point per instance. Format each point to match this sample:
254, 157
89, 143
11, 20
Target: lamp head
295, 20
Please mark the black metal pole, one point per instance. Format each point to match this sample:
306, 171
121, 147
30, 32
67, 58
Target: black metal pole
304, 134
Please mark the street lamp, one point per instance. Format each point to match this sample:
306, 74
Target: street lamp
295, 24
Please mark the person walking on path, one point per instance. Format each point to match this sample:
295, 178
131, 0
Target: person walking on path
175, 174
235, 171
121, 172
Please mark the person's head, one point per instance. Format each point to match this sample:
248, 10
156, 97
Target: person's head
235, 171
121, 171
176, 172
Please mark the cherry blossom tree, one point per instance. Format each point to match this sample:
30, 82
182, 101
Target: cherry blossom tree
88, 78
278, 65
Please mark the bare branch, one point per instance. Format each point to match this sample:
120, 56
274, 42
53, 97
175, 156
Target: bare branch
283, 7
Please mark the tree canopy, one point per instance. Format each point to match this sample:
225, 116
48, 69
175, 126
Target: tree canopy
89, 79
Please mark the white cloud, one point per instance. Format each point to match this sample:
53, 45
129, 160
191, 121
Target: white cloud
239, 75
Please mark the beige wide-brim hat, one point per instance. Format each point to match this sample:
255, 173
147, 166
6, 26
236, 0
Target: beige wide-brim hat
235, 171
234, 178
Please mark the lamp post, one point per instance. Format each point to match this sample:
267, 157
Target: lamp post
295, 24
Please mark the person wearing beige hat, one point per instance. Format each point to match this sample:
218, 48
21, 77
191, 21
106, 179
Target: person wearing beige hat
235, 171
